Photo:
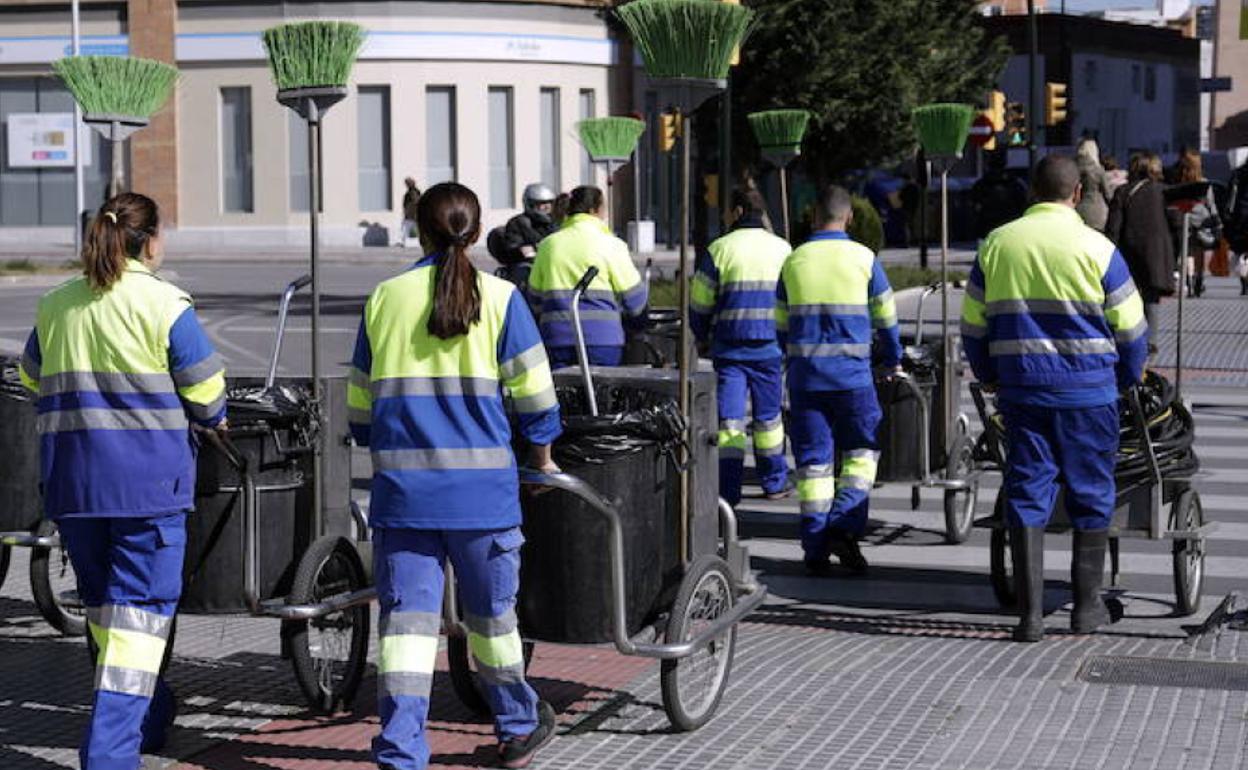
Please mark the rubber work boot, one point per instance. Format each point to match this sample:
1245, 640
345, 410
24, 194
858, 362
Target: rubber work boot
1027, 547
519, 752
845, 548
1087, 570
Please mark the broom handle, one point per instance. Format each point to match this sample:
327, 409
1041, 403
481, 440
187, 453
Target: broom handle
784, 199
687, 362
948, 397
314, 211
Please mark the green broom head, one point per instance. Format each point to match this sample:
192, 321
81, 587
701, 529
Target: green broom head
117, 85
943, 128
612, 137
310, 54
686, 38
779, 130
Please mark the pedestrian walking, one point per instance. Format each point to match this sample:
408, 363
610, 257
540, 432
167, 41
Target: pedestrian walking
1094, 205
997, 197
1115, 176
733, 308
122, 369
411, 198
1205, 228
617, 295
1052, 322
1137, 224
435, 349
1236, 226
833, 299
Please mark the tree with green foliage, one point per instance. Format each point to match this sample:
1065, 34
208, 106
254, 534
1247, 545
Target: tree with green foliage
860, 67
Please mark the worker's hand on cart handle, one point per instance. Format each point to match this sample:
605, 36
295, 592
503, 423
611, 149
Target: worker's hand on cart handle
891, 374
543, 462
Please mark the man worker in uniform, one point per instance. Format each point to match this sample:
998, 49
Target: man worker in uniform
1052, 321
733, 304
833, 298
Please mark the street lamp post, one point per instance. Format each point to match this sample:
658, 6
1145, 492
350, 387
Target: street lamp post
1033, 91
79, 198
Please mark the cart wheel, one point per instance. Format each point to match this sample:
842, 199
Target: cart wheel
5, 555
329, 652
693, 686
54, 586
464, 679
960, 503
1186, 512
1001, 562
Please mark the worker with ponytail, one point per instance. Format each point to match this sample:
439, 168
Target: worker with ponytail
122, 370
437, 347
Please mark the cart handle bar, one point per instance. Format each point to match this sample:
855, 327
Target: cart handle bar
282, 310
615, 551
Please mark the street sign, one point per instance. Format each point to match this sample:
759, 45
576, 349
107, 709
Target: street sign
981, 132
45, 140
1214, 85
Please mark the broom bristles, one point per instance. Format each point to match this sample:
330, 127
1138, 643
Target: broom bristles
779, 129
117, 85
310, 54
611, 137
943, 128
686, 38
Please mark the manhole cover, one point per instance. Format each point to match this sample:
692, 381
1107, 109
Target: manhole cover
1164, 672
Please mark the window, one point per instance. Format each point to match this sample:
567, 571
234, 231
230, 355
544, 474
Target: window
1150, 83
1089, 75
440, 134
1135, 79
298, 131
551, 173
236, 184
502, 149
587, 111
374, 157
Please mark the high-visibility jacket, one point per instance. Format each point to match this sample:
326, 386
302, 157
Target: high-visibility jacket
1051, 314
118, 374
832, 295
432, 410
585, 241
733, 297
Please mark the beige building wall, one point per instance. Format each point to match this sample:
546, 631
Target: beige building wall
1229, 127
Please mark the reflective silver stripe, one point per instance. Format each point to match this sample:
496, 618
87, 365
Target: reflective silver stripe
1120, 295
359, 416
883, 321
127, 618
197, 373
111, 419
538, 402
1051, 347
638, 291
523, 362
410, 623
772, 424
591, 294
1044, 306
128, 681
734, 425
862, 454
974, 331
747, 314
442, 459
105, 382
731, 452
822, 505
974, 292
556, 316
1132, 334
500, 676
31, 367
826, 309
827, 350
749, 286
778, 449
814, 472
854, 482
397, 387
359, 379
404, 683
883, 297
206, 411
499, 626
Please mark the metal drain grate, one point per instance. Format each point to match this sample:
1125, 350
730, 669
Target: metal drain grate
1164, 672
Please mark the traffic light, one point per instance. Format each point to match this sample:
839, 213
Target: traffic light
669, 130
996, 110
1054, 103
1015, 124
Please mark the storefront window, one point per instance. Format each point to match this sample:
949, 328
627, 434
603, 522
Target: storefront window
551, 173
502, 149
237, 192
440, 135
374, 138
587, 111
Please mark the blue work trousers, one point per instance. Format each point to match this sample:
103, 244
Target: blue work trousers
822, 424
599, 355
129, 573
762, 383
1076, 448
408, 564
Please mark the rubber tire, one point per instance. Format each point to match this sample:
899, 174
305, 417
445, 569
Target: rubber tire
6, 554
295, 632
1001, 562
960, 503
45, 598
464, 678
1186, 512
670, 670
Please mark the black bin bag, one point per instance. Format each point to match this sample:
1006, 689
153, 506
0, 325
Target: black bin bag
21, 505
901, 429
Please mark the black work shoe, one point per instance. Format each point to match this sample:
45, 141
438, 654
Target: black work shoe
519, 752
818, 567
845, 548
782, 493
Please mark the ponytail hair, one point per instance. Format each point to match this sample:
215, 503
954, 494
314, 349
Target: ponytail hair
120, 230
448, 218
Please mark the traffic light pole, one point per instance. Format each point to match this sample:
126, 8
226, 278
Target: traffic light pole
1033, 91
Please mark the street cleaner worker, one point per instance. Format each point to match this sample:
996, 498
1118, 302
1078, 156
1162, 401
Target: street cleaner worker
616, 295
833, 300
1052, 321
122, 369
733, 305
436, 347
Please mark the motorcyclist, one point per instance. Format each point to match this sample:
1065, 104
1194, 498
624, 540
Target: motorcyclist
517, 241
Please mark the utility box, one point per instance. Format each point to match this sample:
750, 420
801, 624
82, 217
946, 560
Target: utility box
641, 236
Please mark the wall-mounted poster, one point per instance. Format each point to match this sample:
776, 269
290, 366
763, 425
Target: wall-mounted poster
45, 140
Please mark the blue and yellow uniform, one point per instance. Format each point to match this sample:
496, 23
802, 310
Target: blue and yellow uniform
617, 295
445, 485
733, 304
120, 375
1052, 318
834, 298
